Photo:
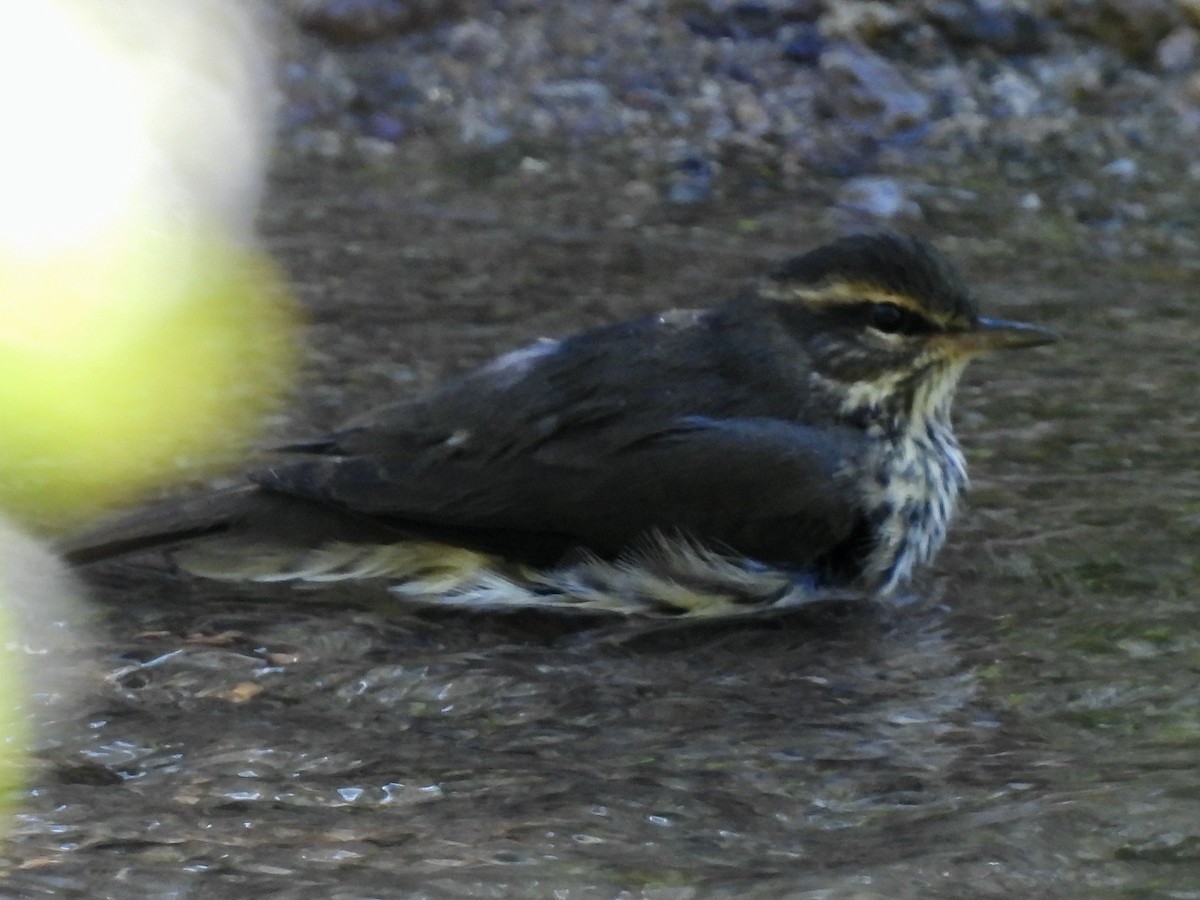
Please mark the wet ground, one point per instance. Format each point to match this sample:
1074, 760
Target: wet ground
1030, 725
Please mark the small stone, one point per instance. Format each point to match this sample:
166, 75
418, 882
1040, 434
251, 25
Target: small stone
324, 143
750, 19
1190, 89
331, 85
750, 114
1005, 29
1078, 81
1191, 9
480, 126
374, 150
867, 22
1132, 27
1015, 94
476, 129
876, 197
576, 92
1124, 169
476, 42
804, 45
1177, 52
879, 87
381, 86
640, 191
691, 182
383, 127
358, 21
753, 18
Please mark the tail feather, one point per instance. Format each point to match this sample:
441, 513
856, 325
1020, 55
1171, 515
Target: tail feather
235, 523
168, 523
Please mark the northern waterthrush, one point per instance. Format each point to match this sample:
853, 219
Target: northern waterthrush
791, 442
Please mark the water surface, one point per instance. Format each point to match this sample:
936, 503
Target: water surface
1029, 725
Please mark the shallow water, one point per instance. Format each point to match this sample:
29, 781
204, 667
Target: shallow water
1030, 725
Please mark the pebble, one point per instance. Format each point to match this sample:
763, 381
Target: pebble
804, 45
384, 127
691, 181
581, 92
1177, 52
879, 97
1014, 95
879, 198
868, 83
326, 143
1131, 27
1030, 202
1123, 169
373, 150
866, 22
359, 21
1006, 29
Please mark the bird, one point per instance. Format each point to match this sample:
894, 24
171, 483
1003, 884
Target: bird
791, 443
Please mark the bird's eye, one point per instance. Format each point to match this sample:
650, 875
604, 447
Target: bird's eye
889, 318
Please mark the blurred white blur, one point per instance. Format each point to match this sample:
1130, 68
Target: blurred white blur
131, 294
130, 112
42, 612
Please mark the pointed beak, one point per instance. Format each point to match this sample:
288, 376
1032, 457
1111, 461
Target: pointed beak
990, 335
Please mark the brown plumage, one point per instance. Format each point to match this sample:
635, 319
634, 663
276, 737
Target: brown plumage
791, 441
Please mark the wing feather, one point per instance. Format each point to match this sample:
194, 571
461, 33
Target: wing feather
770, 489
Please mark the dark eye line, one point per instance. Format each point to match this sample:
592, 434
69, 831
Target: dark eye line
891, 318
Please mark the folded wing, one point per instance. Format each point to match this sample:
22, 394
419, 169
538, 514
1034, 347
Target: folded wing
766, 488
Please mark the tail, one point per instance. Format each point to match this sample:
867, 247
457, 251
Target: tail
169, 523
232, 533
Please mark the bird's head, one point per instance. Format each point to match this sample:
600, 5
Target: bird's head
887, 323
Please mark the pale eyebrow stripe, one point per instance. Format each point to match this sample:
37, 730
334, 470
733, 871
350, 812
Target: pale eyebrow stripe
845, 292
